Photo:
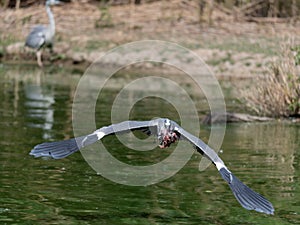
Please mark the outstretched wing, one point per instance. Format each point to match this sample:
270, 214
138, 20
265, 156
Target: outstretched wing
62, 149
201, 147
248, 198
37, 37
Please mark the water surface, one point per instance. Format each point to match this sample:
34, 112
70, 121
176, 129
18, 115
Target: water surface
36, 106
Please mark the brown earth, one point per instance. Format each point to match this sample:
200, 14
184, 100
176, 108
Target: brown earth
231, 47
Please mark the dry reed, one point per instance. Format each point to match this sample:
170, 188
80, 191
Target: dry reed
277, 93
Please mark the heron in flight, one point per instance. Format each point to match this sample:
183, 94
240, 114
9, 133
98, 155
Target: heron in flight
41, 36
167, 132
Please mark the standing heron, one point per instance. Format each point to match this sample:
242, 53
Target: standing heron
167, 132
41, 36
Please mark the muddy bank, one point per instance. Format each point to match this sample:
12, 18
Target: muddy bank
223, 63
85, 32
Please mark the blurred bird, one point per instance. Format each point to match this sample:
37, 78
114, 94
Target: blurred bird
41, 36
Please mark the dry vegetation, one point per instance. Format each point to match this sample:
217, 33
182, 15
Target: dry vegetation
237, 39
277, 93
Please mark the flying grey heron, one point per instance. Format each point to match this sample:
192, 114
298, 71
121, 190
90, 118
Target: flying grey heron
167, 132
41, 36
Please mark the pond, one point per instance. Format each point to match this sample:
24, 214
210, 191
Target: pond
36, 106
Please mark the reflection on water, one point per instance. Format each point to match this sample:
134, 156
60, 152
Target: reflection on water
278, 143
39, 101
36, 107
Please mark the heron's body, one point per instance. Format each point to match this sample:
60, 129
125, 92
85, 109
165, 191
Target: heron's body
39, 37
167, 132
42, 36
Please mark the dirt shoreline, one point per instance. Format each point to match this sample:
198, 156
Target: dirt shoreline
237, 49
223, 63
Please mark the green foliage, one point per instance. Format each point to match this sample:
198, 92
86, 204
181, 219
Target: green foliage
57, 57
26, 19
93, 44
296, 51
105, 18
8, 39
218, 61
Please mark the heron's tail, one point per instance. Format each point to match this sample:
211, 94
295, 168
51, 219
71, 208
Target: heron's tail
248, 198
62, 149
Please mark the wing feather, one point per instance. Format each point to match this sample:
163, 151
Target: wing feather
201, 147
36, 39
62, 149
248, 198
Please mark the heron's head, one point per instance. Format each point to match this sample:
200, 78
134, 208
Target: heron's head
167, 124
167, 134
53, 2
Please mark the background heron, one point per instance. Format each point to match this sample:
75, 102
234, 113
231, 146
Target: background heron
41, 36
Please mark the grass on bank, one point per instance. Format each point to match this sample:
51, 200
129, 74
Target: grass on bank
277, 93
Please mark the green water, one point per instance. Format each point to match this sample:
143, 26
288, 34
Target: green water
36, 106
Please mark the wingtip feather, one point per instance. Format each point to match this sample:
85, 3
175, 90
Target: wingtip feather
55, 150
248, 198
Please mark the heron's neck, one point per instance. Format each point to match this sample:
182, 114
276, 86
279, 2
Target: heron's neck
51, 19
